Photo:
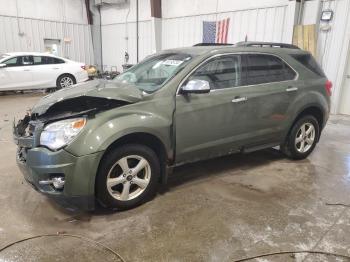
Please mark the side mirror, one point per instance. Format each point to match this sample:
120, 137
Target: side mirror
196, 87
2, 65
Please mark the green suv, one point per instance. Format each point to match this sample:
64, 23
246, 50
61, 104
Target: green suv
116, 141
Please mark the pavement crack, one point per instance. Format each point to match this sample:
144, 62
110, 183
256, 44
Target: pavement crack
326, 232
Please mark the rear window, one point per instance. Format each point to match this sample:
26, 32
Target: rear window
45, 60
310, 63
263, 68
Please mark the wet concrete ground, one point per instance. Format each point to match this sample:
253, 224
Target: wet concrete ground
219, 210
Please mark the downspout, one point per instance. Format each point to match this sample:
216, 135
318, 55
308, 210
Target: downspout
301, 11
127, 31
20, 33
94, 20
137, 31
101, 53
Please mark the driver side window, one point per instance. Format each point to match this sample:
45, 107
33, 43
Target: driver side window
222, 72
11, 62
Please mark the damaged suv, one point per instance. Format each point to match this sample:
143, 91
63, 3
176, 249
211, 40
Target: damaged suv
117, 141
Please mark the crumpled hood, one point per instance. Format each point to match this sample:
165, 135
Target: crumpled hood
92, 89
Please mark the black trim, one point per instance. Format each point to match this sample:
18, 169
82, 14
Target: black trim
211, 44
265, 44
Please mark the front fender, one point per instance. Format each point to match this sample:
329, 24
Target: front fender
102, 131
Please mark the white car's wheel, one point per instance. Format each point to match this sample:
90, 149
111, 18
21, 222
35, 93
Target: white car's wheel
65, 81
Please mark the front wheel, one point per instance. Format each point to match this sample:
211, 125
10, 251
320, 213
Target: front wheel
128, 176
302, 138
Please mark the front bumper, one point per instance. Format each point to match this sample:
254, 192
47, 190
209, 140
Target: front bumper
40, 164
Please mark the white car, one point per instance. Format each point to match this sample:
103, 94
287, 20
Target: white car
20, 71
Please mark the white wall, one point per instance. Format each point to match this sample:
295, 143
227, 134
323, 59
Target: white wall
177, 8
119, 33
311, 12
181, 25
333, 46
259, 23
332, 42
40, 19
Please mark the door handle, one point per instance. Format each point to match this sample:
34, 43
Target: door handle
26, 69
55, 68
291, 89
239, 99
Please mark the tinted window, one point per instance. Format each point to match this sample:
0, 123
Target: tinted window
308, 61
19, 61
45, 60
289, 73
37, 60
266, 68
223, 72
57, 60
11, 62
25, 60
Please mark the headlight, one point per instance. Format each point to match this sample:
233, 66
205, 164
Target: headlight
60, 133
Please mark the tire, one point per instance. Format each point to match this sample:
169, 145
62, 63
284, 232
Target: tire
299, 144
117, 174
64, 81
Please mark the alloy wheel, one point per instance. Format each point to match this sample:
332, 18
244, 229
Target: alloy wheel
305, 137
66, 81
128, 177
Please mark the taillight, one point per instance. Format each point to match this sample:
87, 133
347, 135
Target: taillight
328, 87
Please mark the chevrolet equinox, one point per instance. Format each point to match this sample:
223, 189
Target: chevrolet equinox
115, 141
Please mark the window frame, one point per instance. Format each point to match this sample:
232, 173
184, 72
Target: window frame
242, 71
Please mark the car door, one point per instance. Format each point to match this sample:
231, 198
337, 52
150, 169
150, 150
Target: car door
16, 75
210, 124
269, 87
46, 70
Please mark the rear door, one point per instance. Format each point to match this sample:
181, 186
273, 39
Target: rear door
46, 70
17, 74
270, 86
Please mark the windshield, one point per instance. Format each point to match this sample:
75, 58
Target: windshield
152, 73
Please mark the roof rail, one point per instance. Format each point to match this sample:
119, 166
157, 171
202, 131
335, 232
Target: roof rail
210, 44
266, 44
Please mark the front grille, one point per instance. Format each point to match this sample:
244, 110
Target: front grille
30, 129
22, 154
26, 133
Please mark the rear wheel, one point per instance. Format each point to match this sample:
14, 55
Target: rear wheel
302, 138
128, 176
65, 81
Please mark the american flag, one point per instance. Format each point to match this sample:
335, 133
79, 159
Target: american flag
215, 32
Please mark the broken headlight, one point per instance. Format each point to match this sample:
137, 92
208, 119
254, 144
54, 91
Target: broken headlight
58, 134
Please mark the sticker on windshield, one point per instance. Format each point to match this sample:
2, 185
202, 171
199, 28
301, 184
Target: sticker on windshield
172, 62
